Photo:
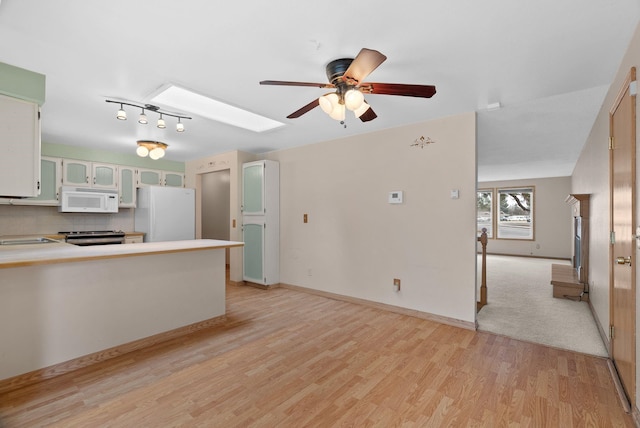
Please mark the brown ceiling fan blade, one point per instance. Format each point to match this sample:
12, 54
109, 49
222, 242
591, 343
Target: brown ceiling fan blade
364, 63
422, 91
284, 83
368, 115
313, 104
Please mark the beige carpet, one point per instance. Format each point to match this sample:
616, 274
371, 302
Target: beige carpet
521, 305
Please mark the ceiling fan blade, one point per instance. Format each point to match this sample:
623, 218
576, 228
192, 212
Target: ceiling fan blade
313, 104
368, 115
422, 91
364, 63
284, 83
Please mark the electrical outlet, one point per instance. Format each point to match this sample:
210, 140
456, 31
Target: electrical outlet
305, 219
309, 272
396, 284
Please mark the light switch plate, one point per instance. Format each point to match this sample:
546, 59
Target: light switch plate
395, 197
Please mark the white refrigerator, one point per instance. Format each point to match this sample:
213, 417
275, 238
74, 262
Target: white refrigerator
165, 213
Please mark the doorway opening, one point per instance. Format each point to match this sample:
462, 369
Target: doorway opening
215, 208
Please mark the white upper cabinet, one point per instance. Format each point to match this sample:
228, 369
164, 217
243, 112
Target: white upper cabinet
149, 177
105, 176
89, 174
156, 177
51, 172
127, 187
172, 179
76, 172
20, 147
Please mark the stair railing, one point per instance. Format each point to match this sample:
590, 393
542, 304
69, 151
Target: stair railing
483, 285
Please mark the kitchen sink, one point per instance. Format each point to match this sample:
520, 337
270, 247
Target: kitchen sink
26, 241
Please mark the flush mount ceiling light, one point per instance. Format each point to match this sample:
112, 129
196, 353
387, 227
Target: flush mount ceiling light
154, 149
142, 119
186, 100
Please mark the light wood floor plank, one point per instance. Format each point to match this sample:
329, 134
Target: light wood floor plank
292, 359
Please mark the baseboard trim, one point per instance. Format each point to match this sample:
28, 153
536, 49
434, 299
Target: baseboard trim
386, 307
39, 375
601, 331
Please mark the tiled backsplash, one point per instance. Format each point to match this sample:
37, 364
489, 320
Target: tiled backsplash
27, 220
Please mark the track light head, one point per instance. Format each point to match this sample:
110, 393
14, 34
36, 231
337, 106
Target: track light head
161, 123
143, 118
122, 115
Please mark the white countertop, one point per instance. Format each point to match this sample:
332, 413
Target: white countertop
32, 254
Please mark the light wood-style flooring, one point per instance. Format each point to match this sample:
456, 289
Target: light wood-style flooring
286, 358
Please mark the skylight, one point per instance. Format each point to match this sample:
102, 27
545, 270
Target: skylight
185, 100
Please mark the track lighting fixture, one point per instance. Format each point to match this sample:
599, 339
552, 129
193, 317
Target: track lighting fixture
142, 119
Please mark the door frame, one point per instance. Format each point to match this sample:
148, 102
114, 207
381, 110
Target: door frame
630, 390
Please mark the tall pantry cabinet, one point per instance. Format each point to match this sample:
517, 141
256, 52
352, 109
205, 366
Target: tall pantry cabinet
261, 222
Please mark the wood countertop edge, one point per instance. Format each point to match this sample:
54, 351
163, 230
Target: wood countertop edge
22, 263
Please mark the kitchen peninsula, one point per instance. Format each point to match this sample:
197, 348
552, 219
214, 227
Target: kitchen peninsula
64, 307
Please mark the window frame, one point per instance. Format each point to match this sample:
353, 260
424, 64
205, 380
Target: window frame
492, 216
532, 217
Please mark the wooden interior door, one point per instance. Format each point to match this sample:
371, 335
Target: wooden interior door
622, 250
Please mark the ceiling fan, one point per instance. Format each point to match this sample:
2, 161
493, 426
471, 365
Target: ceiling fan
346, 76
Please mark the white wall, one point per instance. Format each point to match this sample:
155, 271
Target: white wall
591, 175
355, 242
552, 219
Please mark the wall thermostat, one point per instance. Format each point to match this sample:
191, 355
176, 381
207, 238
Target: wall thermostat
395, 197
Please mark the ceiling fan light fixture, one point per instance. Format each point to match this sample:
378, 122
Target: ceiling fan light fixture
338, 112
353, 99
328, 102
362, 109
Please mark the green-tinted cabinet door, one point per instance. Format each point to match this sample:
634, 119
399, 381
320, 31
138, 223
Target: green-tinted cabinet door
127, 188
50, 181
105, 176
149, 177
253, 255
75, 173
253, 188
173, 179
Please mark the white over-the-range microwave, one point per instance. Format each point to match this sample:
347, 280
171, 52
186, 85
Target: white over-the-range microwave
86, 200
